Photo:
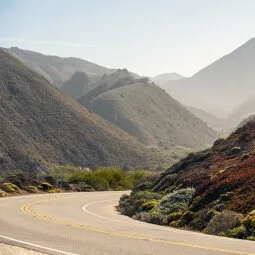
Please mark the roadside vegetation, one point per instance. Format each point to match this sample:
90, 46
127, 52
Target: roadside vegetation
70, 178
212, 191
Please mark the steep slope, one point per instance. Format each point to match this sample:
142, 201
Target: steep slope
242, 112
211, 191
150, 114
41, 126
212, 121
77, 86
56, 69
107, 83
222, 85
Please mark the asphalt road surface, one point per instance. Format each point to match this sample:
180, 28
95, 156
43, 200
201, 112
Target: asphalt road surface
87, 223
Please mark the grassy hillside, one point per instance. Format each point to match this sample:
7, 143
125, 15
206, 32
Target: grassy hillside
211, 191
56, 69
41, 126
150, 114
77, 86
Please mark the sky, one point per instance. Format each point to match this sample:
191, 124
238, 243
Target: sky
148, 37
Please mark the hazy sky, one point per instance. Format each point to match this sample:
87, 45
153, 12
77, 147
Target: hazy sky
146, 36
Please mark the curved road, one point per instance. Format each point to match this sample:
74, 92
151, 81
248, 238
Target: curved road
87, 223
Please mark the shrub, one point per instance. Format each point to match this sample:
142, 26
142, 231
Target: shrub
223, 222
32, 189
81, 187
251, 238
177, 201
187, 217
2, 193
45, 186
174, 216
238, 232
249, 223
177, 224
149, 205
11, 188
54, 191
226, 196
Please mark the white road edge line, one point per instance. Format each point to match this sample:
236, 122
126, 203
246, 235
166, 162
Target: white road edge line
36, 246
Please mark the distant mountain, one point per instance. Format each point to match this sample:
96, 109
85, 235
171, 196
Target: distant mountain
77, 86
41, 126
222, 85
165, 77
150, 114
56, 69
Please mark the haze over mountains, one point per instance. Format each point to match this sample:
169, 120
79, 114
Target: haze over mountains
151, 115
42, 126
221, 86
56, 69
161, 79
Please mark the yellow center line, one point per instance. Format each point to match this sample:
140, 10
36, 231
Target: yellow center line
27, 209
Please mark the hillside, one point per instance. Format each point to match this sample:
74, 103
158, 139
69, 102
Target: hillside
161, 79
150, 114
77, 86
241, 112
108, 82
211, 191
211, 120
56, 69
221, 86
41, 126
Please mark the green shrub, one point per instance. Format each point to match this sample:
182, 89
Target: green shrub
249, 223
32, 189
11, 188
149, 205
177, 224
54, 191
174, 216
238, 232
223, 222
251, 238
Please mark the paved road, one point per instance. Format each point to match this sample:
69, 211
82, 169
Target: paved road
87, 223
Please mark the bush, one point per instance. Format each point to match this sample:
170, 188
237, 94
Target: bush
187, 217
149, 205
54, 191
81, 187
223, 222
11, 188
177, 201
2, 193
131, 205
238, 232
174, 216
45, 186
32, 189
249, 223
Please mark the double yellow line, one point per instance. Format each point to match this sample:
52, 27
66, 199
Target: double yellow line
28, 209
